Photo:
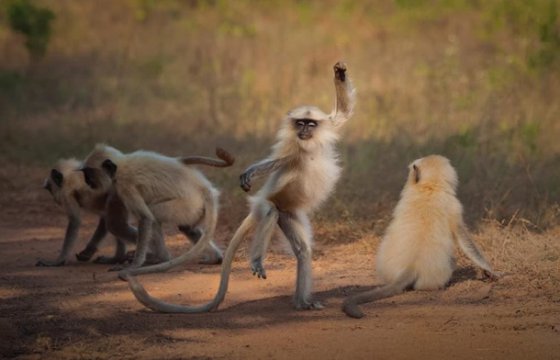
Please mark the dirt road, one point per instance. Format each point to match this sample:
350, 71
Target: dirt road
82, 311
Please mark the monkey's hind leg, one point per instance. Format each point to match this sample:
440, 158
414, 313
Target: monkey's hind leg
118, 258
267, 220
297, 229
92, 245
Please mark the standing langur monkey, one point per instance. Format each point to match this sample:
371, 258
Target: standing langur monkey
301, 173
158, 189
69, 189
417, 249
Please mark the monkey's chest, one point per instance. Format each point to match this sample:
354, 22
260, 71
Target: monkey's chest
309, 188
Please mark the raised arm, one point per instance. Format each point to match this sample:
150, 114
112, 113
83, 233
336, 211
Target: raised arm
345, 95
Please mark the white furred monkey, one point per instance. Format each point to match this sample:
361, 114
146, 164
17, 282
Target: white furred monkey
301, 173
69, 190
157, 189
418, 246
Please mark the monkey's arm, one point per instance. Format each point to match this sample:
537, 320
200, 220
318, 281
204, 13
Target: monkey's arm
91, 247
260, 169
138, 207
69, 240
467, 245
345, 95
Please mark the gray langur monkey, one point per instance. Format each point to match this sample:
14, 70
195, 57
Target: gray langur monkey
68, 188
157, 189
301, 173
417, 248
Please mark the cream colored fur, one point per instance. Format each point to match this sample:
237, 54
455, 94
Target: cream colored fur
418, 247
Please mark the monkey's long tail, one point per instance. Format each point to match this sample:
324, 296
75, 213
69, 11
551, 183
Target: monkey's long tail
158, 305
350, 305
226, 159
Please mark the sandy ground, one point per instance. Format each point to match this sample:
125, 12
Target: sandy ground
82, 311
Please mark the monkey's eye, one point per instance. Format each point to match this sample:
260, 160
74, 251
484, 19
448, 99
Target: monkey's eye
312, 123
300, 123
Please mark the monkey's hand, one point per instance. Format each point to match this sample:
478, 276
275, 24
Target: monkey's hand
86, 254
492, 275
340, 71
46, 263
245, 180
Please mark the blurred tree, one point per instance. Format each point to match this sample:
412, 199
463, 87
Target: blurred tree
34, 23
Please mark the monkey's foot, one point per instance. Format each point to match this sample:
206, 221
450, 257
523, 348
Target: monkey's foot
151, 259
110, 260
47, 263
86, 254
258, 268
340, 71
307, 305
213, 259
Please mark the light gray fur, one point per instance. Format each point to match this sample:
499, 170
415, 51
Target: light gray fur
300, 175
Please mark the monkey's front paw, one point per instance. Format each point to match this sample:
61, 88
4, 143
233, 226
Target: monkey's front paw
309, 305
492, 275
47, 263
340, 71
86, 254
211, 259
110, 260
258, 268
245, 182
117, 268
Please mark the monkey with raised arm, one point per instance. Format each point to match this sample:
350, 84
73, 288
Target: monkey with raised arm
69, 189
301, 173
417, 248
157, 189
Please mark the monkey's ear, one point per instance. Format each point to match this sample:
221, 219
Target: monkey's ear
57, 177
109, 167
416, 173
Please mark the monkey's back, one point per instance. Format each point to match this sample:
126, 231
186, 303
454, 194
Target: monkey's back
419, 238
160, 178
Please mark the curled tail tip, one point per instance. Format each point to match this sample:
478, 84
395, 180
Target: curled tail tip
225, 155
352, 310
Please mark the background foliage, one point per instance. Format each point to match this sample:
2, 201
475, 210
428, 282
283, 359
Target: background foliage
477, 81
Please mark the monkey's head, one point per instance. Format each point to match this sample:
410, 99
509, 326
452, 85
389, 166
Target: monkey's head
308, 126
100, 179
100, 153
433, 171
63, 177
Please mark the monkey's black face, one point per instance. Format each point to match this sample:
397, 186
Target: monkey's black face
305, 128
47, 186
91, 177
